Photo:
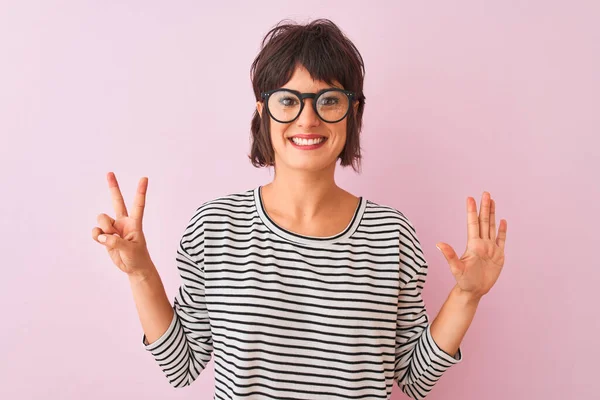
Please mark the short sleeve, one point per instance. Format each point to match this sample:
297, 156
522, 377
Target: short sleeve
186, 347
420, 363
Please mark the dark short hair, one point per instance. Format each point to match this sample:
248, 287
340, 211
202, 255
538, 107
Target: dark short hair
328, 55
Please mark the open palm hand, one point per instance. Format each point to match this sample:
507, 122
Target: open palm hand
478, 269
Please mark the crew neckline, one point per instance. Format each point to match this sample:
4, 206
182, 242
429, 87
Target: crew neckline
305, 239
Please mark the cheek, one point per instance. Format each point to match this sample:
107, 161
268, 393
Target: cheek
340, 132
277, 133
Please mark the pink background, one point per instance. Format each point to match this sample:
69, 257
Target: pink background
462, 97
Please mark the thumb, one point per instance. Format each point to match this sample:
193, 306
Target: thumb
113, 241
451, 258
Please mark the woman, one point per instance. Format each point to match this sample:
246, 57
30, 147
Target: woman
298, 288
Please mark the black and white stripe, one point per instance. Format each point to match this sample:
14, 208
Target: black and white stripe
289, 316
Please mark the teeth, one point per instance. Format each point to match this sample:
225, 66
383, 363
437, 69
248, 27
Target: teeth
307, 142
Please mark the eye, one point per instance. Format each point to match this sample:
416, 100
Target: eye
288, 101
329, 101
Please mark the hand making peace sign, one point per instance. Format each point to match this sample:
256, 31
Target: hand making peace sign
124, 239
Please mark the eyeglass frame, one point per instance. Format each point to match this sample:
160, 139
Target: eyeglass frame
313, 96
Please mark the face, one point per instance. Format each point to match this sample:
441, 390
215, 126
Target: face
290, 155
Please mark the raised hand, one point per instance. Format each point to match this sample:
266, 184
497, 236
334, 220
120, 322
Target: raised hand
478, 269
123, 235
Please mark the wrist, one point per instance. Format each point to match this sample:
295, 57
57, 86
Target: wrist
147, 274
468, 298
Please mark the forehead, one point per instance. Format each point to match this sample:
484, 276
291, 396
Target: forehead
303, 82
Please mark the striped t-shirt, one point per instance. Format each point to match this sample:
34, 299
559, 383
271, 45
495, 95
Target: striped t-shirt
289, 316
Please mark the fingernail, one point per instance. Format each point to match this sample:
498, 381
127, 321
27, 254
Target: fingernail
438, 247
102, 238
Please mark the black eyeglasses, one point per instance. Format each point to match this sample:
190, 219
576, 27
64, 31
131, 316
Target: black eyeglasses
285, 105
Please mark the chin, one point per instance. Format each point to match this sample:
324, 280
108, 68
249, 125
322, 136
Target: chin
310, 166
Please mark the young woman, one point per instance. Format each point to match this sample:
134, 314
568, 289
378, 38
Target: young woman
298, 288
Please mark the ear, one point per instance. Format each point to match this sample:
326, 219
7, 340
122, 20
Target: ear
355, 105
259, 106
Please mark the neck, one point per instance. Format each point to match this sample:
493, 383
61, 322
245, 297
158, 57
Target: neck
302, 195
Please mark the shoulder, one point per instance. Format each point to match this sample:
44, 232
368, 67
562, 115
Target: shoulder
233, 205
389, 214
412, 258
230, 201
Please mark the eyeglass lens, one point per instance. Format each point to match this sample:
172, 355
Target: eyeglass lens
331, 105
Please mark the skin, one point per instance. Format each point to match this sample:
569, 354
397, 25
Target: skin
303, 196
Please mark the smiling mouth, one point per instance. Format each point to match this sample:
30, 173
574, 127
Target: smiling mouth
307, 142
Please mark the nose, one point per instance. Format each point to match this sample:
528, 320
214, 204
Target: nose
308, 117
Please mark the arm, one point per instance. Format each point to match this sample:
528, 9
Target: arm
420, 362
476, 271
152, 304
182, 345
453, 320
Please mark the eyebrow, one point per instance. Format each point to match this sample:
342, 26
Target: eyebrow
318, 90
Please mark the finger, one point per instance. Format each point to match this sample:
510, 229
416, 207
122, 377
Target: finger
501, 241
95, 232
117, 197
107, 224
492, 219
99, 231
484, 216
472, 221
139, 202
451, 257
112, 241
